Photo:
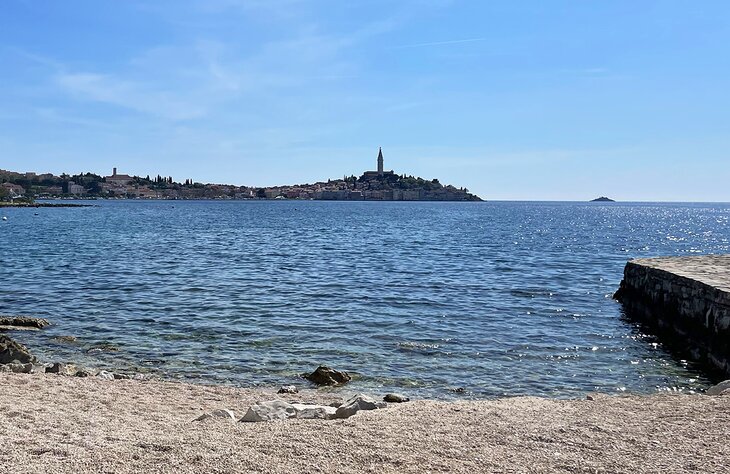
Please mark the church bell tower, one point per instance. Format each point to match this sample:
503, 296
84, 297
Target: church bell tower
380, 161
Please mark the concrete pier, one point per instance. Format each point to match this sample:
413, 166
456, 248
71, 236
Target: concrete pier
687, 300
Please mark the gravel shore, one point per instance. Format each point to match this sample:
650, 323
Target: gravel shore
51, 424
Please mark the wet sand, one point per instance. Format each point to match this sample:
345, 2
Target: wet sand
51, 423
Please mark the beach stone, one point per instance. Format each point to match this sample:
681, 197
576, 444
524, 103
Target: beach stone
357, 403
269, 411
83, 373
11, 351
312, 412
224, 413
18, 368
288, 389
719, 388
121, 376
220, 413
61, 369
105, 375
324, 375
56, 368
396, 398
23, 322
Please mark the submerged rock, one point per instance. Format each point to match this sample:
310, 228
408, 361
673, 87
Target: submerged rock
269, 411
719, 388
288, 389
64, 339
327, 376
11, 351
357, 403
26, 322
102, 348
396, 398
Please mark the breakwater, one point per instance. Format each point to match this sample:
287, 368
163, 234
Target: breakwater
687, 299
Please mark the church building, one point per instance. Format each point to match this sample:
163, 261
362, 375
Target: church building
380, 172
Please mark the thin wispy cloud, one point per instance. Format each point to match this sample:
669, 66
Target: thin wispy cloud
127, 94
282, 90
440, 43
35, 58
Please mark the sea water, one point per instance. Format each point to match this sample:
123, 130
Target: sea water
495, 298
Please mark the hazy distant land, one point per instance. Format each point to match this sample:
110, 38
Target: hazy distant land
377, 185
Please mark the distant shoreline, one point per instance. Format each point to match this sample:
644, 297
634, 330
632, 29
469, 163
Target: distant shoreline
42, 204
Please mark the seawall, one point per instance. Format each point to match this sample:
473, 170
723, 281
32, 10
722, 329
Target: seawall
686, 300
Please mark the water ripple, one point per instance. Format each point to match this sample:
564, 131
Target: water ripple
498, 298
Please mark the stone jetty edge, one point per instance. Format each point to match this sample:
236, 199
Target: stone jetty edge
686, 302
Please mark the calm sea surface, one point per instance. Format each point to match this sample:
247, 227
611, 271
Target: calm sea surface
499, 298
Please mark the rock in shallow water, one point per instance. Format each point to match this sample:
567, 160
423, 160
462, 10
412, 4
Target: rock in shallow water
327, 376
357, 403
23, 322
11, 351
396, 398
102, 348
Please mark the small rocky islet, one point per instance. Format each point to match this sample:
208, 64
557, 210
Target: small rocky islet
602, 199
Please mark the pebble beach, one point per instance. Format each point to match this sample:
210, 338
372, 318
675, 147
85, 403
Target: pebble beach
59, 424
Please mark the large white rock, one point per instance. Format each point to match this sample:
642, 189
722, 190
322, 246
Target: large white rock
357, 403
221, 413
310, 412
719, 388
270, 411
105, 375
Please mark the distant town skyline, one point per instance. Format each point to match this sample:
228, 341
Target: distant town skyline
536, 101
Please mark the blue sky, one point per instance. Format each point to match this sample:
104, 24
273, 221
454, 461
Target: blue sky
513, 100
